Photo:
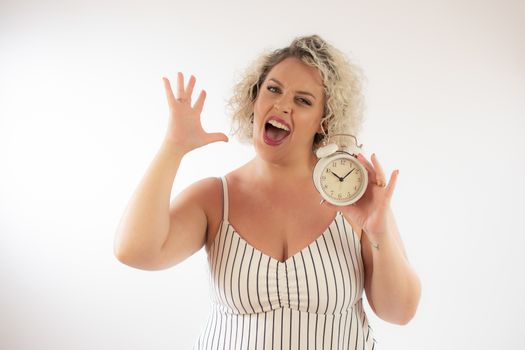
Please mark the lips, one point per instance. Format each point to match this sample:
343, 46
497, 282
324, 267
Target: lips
276, 130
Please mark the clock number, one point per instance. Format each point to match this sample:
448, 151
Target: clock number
334, 164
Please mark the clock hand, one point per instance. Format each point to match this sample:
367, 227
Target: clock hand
347, 174
338, 177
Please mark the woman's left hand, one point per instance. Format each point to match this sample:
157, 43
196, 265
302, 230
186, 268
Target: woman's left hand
371, 211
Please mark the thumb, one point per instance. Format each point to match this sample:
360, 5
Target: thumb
391, 185
215, 137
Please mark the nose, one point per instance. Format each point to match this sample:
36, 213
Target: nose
281, 106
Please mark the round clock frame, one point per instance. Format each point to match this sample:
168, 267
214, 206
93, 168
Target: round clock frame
338, 175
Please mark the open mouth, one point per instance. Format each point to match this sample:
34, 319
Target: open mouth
275, 132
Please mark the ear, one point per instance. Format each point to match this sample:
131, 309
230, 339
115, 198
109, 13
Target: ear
320, 128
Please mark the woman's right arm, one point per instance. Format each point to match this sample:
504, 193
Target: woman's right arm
149, 221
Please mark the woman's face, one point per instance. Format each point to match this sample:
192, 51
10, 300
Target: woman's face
288, 110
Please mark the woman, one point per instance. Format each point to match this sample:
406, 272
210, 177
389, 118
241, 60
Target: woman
286, 272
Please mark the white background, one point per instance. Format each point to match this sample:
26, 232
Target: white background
83, 111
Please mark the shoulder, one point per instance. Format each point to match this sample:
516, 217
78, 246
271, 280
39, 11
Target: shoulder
204, 194
207, 194
203, 191
204, 186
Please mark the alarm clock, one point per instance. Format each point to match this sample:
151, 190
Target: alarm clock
338, 175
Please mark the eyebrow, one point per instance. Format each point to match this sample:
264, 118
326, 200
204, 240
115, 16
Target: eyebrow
300, 92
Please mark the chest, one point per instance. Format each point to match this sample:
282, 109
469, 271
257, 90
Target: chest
279, 225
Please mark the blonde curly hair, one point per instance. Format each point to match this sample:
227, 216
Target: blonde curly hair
342, 80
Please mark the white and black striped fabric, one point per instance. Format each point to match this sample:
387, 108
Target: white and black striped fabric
310, 301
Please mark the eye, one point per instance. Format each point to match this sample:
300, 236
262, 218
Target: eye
304, 101
273, 89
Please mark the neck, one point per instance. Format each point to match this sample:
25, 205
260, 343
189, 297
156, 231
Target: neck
286, 173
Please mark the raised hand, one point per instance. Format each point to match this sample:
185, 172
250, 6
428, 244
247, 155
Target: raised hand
184, 128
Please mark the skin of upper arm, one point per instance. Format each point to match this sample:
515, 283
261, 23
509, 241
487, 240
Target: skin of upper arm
188, 223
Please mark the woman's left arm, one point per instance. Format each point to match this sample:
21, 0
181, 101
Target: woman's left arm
392, 287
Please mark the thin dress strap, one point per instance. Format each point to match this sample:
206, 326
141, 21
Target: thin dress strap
225, 202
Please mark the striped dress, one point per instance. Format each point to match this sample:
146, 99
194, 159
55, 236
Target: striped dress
312, 300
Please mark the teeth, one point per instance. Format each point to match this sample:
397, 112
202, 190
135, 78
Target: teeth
278, 125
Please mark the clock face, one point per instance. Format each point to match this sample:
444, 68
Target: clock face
342, 179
